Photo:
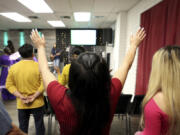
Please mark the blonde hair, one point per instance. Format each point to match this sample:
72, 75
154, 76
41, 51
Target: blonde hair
165, 77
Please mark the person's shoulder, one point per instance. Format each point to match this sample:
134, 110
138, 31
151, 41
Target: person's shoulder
116, 86
5, 58
159, 98
28, 63
35, 64
19, 63
1, 56
159, 95
66, 69
116, 81
54, 87
160, 101
68, 65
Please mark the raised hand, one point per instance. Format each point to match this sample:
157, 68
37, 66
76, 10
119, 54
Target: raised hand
136, 39
37, 40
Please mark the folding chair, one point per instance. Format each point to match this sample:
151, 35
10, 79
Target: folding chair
50, 113
135, 108
122, 109
136, 105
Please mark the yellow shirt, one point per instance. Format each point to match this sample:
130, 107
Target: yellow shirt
64, 77
25, 77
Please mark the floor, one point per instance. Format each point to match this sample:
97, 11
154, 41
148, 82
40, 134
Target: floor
117, 127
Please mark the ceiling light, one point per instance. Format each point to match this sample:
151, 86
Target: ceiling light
15, 16
37, 6
82, 16
56, 23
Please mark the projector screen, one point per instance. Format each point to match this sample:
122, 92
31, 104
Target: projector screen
83, 37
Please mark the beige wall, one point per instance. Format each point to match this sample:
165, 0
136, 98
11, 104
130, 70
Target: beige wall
133, 23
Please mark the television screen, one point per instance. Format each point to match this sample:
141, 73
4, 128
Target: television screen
83, 37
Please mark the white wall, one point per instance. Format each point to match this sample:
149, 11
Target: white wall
120, 40
127, 23
133, 23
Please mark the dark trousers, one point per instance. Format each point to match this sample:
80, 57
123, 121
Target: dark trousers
24, 115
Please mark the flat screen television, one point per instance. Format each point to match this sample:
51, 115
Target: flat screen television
83, 37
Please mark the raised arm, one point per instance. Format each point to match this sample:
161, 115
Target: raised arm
135, 41
39, 43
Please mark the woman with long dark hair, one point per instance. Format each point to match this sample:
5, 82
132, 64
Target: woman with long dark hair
11, 46
88, 106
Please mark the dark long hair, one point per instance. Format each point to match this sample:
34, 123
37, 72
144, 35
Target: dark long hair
89, 83
11, 46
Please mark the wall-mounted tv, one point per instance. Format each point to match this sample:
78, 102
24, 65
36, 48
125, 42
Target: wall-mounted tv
83, 37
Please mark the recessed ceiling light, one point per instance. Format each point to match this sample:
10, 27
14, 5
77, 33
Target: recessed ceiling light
16, 17
82, 16
37, 6
56, 23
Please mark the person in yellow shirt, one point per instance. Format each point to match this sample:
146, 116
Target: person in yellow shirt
25, 82
64, 77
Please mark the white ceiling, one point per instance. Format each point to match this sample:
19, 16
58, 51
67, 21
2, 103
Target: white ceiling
106, 8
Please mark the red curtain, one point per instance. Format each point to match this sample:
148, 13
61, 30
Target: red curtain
162, 25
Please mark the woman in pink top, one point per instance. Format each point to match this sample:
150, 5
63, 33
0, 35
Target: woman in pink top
161, 104
88, 106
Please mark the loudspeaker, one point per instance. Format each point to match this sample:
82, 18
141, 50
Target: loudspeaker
107, 36
104, 36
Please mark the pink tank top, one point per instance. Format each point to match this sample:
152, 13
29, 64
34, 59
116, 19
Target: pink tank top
156, 121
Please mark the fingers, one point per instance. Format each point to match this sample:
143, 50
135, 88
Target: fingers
141, 33
131, 37
143, 36
25, 101
37, 34
138, 37
22, 97
138, 31
34, 34
43, 37
37, 39
28, 99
